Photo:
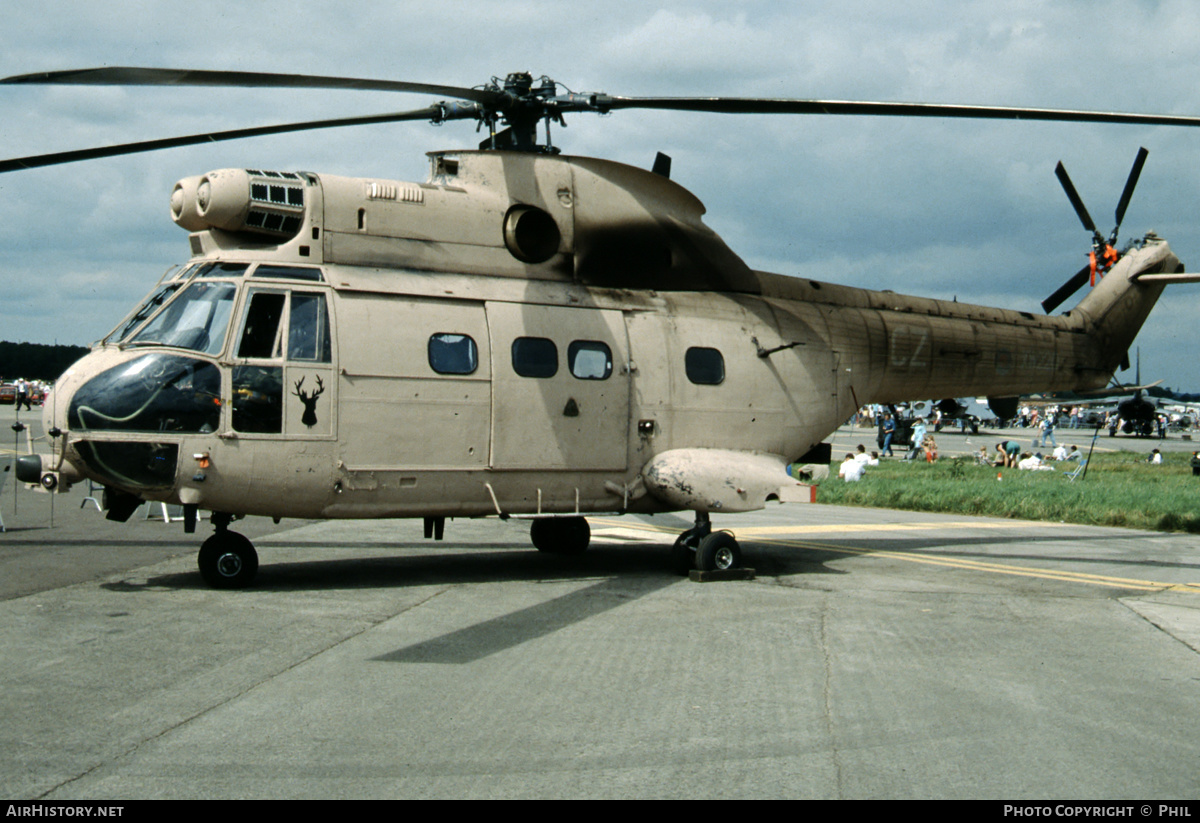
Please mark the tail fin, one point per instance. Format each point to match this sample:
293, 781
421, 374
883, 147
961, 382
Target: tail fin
1116, 308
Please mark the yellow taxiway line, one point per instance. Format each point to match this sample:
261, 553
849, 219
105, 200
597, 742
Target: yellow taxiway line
763, 534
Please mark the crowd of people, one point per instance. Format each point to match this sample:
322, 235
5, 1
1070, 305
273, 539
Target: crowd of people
913, 436
1034, 417
921, 444
1009, 454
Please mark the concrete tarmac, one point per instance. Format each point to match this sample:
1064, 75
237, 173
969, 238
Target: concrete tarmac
877, 654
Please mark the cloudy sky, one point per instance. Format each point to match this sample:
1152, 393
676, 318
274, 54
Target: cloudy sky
941, 208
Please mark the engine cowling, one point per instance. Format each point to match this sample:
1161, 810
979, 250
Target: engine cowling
270, 203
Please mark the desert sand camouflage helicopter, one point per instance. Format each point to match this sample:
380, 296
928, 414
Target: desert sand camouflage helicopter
524, 333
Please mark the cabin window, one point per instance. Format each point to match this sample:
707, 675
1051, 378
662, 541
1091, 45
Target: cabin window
308, 329
534, 357
453, 353
704, 366
260, 335
590, 360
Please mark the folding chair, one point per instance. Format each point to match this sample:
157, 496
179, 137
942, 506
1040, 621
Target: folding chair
167, 515
1074, 475
91, 496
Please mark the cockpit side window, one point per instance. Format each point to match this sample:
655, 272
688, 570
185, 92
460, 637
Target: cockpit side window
257, 402
261, 332
308, 329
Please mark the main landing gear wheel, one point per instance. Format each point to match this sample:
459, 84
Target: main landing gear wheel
703, 549
560, 535
228, 561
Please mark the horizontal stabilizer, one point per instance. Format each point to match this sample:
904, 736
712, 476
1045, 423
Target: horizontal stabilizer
1178, 277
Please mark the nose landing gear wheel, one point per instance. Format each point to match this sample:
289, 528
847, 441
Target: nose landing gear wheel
718, 552
227, 560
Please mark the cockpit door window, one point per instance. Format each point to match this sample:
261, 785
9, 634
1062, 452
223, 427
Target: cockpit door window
308, 329
261, 331
284, 382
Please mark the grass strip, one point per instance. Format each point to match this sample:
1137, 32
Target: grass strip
1119, 489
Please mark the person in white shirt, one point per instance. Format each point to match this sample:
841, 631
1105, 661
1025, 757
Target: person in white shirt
1032, 462
851, 470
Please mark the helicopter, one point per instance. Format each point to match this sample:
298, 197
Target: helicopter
523, 334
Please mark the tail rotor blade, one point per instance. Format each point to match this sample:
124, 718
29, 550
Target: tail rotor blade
1067, 289
1134, 174
1072, 195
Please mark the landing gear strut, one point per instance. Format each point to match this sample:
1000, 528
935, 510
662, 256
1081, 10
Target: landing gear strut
701, 548
227, 560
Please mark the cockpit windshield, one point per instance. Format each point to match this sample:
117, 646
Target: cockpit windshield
152, 304
196, 320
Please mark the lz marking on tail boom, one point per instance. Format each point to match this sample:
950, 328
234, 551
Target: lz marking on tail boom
521, 334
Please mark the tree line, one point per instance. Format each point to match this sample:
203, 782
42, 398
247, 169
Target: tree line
36, 361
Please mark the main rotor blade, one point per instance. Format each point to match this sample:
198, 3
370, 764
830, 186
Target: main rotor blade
1134, 174
1060, 171
428, 113
137, 76
752, 105
1067, 289
134, 76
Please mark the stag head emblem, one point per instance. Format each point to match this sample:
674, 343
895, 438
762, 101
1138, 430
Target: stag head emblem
310, 402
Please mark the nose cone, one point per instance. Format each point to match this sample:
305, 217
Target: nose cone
110, 393
156, 392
